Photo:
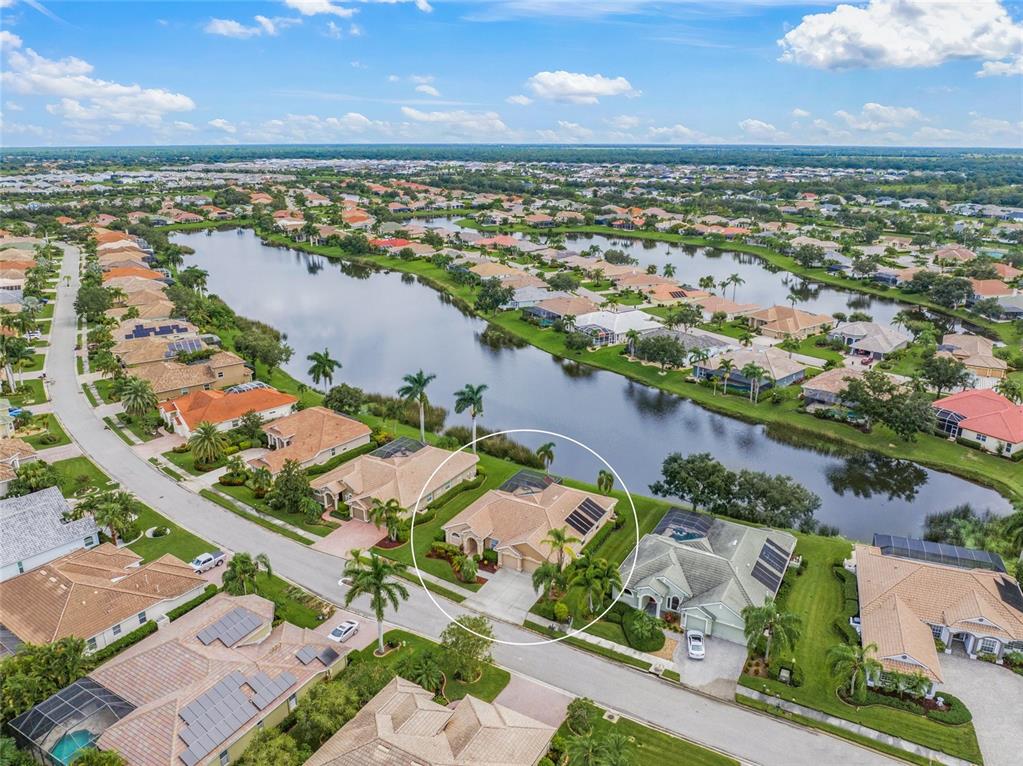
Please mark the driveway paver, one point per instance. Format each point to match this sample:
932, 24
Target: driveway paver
508, 595
351, 534
995, 697
534, 699
716, 673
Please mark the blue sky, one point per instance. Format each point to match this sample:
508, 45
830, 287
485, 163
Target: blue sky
900, 72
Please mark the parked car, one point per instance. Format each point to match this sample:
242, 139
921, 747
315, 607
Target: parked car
344, 631
694, 641
206, 561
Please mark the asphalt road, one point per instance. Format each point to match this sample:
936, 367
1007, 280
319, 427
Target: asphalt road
748, 736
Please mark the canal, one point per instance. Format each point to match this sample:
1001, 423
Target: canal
383, 325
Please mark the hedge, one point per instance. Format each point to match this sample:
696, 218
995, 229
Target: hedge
475, 483
123, 643
650, 644
344, 457
188, 606
598, 539
957, 713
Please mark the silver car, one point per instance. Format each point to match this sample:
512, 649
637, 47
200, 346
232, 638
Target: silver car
344, 631
694, 642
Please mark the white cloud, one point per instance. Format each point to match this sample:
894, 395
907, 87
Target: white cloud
333, 31
421, 79
355, 30
185, 127
519, 100
273, 26
566, 133
311, 128
358, 65
902, 34
1002, 68
83, 97
878, 117
231, 28
675, 134
429, 90
11, 106
797, 112
221, 124
316, 7
760, 130
623, 122
460, 121
577, 88
393, 78
9, 39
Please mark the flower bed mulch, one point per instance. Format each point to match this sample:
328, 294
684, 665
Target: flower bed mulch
386, 543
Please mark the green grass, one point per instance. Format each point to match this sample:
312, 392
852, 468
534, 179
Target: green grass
53, 428
186, 462
245, 495
431, 586
90, 396
69, 471
29, 393
672, 675
80, 365
226, 504
650, 747
580, 643
486, 688
289, 608
172, 473
104, 388
179, 542
816, 596
135, 426
35, 364
116, 428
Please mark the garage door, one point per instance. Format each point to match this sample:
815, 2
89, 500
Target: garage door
696, 622
509, 561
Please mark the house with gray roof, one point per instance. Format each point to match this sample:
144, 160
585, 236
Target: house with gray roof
705, 571
870, 338
35, 532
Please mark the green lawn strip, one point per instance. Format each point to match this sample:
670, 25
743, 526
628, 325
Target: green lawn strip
580, 643
179, 542
672, 675
53, 428
498, 471
30, 393
186, 462
651, 747
817, 597
104, 388
135, 426
68, 473
838, 731
486, 688
431, 586
223, 502
80, 365
87, 390
245, 495
35, 364
116, 428
172, 473
289, 608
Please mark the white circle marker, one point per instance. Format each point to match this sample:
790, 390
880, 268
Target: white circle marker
415, 511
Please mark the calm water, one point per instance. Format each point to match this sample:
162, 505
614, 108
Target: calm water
384, 325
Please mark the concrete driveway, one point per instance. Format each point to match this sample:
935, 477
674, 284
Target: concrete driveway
716, 673
351, 534
995, 697
508, 595
367, 629
534, 699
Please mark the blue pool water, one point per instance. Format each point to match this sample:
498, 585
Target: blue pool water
67, 747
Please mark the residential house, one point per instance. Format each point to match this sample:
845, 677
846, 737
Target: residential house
953, 254
827, 387
609, 328
310, 437
516, 523
404, 470
780, 369
35, 532
895, 277
788, 322
870, 339
705, 571
403, 724
712, 304
976, 352
989, 288
525, 297
539, 221
172, 379
98, 593
906, 604
224, 409
171, 329
982, 417
14, 453
194, 693
549, 310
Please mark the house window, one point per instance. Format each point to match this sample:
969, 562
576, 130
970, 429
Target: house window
224, 758
292, 702
142, 618
21, 567
988, 646
91, 644
981, 438
117, 630
88, 541
220, 374
936, 631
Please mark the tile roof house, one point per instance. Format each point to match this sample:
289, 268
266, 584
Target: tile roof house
35, 533
982, 417
780, 369
400, 470
402, 725
906, 604
310, 436
788, 322
976, 352
97, 594
197, 690
608, 328
171, 379
224, 408
827, 387
870, 339
13, 454
712, 304
515, 523
549, 310
706, 571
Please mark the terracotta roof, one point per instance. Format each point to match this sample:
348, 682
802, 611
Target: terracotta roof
788, 320
222, 406
991, 288
88, 591
138, 271
310, 432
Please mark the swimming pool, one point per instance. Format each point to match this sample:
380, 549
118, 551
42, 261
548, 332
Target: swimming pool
67, 747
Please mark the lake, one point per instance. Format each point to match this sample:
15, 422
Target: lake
383, 325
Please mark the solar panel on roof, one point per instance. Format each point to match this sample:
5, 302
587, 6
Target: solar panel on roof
328, 656
527, 481
591, 509
778, 561
579, 523
306, 654
770, 580
231, 628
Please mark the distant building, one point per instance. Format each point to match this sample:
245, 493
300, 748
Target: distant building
35, 533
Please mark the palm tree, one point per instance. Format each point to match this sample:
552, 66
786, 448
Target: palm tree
545, 576
194, 278
207, 444
706, 283
597, 579
560, 542
726, 366
138, 397
1014, 530
668, 270
746, 338
605, 481
617, 750
241, 571
735, 280
767, 620
585, 749
423, 668
261, 481
631, 337
854, 663
90, 756
415, 390
471, 398
1011, 390
106, 364
113, 510
546, 454
377, 578
323, 366
387, 515
754, 373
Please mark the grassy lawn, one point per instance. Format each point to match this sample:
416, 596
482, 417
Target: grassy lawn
245, 495
650, 747
35, 364
115, 426
498, 471
185, 462
29, 393
179, 542
135, 426
817, 597
226, 504
104, 388
71, 471
291, 606
489, 685
52, 428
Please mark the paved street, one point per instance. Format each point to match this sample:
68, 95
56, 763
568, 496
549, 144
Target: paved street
751, 737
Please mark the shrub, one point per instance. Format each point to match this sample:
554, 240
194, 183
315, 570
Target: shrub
634, 625
344, 515
846, 631
161, 532
188, 606
939, 645
490, 556
445, 550
956, 714
599, 539
475, 483
230, 449
181, 449
48, 438
230, 480
124, 642
561, 611
617, 612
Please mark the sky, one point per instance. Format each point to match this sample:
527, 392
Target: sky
882, 72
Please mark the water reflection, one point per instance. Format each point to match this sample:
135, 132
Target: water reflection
887, 476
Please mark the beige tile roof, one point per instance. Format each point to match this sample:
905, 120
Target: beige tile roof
174, 376
571, 306
15, 448
166, 671
400, 478
310, 431
521, 522
402, 725
89, 591
159, 309
789, 320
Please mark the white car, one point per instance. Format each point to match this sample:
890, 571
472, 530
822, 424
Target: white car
344, 631
694, 641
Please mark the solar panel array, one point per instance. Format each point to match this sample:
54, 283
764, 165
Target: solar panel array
214, 716
231, 628
585, 516
184, 346
326, 655
765, 576
771, 565
681, 519
141, 331
403, 446
938, 553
